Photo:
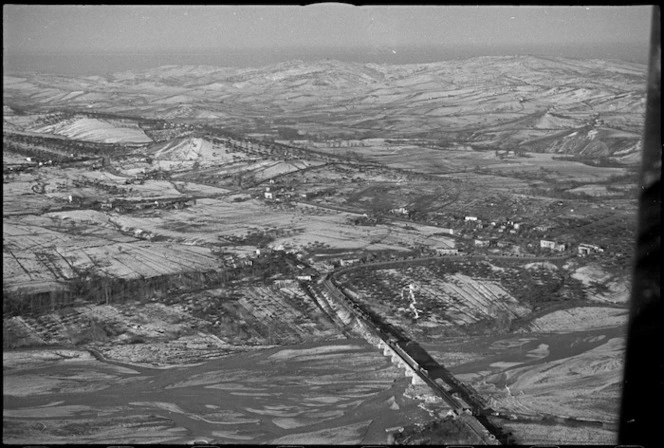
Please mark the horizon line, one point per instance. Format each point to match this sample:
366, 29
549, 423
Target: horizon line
202, 51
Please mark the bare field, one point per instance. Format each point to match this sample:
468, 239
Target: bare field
220, 222
452, 297
58, 249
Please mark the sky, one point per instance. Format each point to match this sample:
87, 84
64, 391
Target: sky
186, 29
117, 28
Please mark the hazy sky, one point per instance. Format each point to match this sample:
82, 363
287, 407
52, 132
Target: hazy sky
127, 29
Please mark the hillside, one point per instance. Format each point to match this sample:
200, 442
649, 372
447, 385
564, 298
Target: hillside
487, 102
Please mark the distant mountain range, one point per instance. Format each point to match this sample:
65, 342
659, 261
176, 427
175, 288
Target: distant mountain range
582, 107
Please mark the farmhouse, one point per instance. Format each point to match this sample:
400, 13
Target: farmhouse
586, 249
349, 261
558, 247
269, 195
401, 211
471, 218
545, 244
446, 251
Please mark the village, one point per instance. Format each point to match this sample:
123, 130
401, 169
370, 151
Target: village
120, 191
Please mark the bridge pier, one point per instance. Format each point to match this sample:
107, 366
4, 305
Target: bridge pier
416, 380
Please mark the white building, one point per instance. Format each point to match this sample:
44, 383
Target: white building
586, 249
545, 244
558, 247
471, 218
446, 251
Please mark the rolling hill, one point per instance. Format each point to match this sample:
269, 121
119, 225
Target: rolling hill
487, 102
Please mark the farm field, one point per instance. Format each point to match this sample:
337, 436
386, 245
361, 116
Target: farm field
451, 297
46, 249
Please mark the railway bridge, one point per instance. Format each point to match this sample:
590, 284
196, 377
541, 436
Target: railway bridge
398, 360
465, 403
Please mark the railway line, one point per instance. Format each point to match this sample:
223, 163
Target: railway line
466, 404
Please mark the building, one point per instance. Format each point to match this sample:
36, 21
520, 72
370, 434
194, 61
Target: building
545, 244
481, 243
269, 195
471, 218
558, 247
446, 251
587, 249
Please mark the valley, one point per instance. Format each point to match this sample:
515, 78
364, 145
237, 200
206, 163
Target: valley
182, 247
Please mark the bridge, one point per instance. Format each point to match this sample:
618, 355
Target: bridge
466, 405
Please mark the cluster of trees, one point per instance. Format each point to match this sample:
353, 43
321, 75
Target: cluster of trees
90, 286
57, 148
601, 161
